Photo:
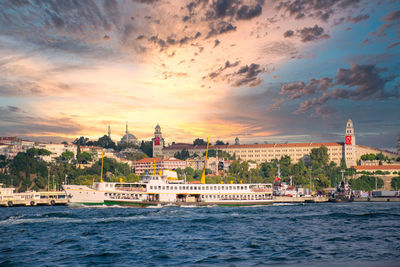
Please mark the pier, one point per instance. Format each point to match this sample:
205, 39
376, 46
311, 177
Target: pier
34, 199
305, 199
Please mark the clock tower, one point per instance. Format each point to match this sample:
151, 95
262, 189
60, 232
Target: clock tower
158, 142
350, 145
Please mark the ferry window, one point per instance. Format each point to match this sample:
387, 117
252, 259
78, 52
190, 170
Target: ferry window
230, 187
219, 188
167, 187
241, 187
163, 187
159, 187
215, 188
191, 188
206, 187
151, 187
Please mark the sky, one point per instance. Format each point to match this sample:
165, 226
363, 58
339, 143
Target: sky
264, 71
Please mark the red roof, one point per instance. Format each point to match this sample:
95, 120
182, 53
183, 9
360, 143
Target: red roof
189, 146
149, 160
378, 167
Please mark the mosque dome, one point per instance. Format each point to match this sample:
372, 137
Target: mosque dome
131, 139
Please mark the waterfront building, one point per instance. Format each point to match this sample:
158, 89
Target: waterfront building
158, 142
259, 153
158, 164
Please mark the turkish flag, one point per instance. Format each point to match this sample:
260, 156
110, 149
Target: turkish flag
157, 141
348, 140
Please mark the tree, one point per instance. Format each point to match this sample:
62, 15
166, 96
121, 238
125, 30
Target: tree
147, 148
319, 157
380, 156
81, 141
3, 161
106, 142
322, 182
84, 157
365, 183
220, 143
66, 156
183, 155
396, 183
240, 170
199, 142
212, 153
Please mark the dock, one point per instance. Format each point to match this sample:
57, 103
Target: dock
305, 199
377, 199
52, 198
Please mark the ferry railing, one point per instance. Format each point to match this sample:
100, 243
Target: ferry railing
131, 189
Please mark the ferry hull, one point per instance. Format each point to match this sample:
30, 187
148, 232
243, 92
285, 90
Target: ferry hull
159, 203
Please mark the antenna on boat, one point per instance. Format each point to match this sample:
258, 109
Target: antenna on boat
203, 175
102, 157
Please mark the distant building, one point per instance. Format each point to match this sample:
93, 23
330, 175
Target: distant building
259, 153
237, 141
11, 146
158, 142
128, 138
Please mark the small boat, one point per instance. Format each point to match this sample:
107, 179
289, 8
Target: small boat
343, 192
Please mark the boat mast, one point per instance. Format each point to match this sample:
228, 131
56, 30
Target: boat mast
154, 166
203, 175
102, 157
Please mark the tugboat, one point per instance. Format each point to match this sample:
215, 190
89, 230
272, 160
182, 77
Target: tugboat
343, 192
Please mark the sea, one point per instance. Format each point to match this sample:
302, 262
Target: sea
325, 234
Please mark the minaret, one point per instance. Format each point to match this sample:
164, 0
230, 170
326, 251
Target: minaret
398, 144
350, 145
158, 142
109, 130
127, 133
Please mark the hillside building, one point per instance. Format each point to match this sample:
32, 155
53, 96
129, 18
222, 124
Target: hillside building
259, 153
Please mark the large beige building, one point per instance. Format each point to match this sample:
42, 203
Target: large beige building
297, 151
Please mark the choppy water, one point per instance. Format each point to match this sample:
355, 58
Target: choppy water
311, 234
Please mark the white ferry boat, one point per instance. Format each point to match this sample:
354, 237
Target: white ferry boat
163, 189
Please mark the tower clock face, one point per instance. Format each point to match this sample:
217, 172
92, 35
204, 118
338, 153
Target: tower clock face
347, 140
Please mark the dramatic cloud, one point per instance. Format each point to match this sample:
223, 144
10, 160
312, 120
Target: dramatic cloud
288, 33
247, 59
297, 90
323, 10
248, 75
358, 18
217, 72
312, 33
362, 82
220, 28
233, 8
